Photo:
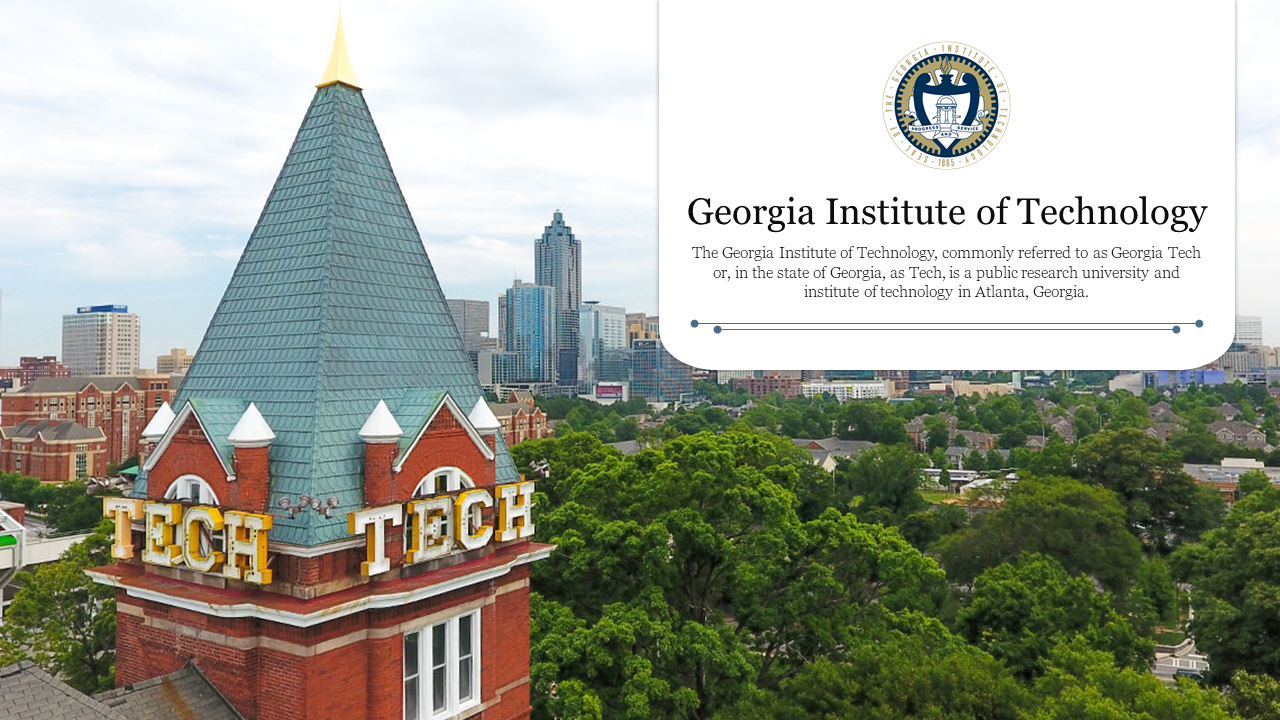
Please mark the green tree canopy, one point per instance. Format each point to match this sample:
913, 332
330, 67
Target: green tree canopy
1019, 611
1163, 504
1079, 525
1235, 573
62, 620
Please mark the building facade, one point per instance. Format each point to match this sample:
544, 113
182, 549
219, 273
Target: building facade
557, 259
120, 407
472, 319
641, 326
521, 419
1248, 330
176, 362
602, 356
656, 375
527, 314
786, 385
321, 548
31, 368
53, 451
845, 391
101, 340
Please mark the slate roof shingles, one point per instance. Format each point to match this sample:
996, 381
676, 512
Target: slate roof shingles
333, 306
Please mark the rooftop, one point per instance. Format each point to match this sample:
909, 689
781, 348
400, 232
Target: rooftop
29, 693
333, 307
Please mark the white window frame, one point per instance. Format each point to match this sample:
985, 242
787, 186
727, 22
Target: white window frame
181, 490
419, 641
454, 480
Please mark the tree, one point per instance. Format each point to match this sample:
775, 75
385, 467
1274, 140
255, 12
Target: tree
1019, 611
63, 621
926, 673
1012, 438
684, 576
1253, 481
1255, 697
937, 433
1081, 682
1079, 525
72, 509
1235, 573
871, 420
1163, 504
975, 460
888, 478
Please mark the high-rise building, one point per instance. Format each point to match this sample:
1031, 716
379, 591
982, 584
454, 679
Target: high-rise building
177, 361
641, 326
101, 340
1248, 330
602, 352
527, 313
557, 257
336, 526
657, 375
472, 319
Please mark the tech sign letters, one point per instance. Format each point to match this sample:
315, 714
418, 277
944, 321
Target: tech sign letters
234, 544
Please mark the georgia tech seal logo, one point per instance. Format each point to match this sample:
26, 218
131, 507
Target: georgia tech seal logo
946, 105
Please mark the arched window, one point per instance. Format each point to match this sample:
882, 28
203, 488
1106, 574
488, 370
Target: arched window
192, 489
442, 481
449, 481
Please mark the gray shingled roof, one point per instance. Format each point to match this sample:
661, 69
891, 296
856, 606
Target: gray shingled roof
186, 693
29, 693
333, 306
53, 430
76, 384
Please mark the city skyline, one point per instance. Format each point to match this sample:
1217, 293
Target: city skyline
175, 181
469, 98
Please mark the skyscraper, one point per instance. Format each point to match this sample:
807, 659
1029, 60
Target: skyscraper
602, 351
1248, 330
101, 340
656, 374
472, 319
527, 314
558, 264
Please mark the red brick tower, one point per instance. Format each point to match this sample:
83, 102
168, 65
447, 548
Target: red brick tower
331, 525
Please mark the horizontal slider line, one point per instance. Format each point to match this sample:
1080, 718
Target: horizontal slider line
975, 329
976, 322
700, 323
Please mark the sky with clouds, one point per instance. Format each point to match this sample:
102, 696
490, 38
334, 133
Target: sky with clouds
139, 140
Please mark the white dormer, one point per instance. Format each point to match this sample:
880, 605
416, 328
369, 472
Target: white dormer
159, 424
252, 430
381, 426
482, 417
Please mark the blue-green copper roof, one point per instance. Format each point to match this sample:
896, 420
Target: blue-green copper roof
332, 307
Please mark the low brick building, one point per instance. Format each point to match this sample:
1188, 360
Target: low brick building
330, 525
520, 418
53, 450
31, 368
119, 406
760, 386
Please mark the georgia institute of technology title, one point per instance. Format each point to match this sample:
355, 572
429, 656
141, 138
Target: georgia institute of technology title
1024, 211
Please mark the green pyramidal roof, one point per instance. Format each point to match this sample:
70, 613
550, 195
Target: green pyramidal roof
332, 307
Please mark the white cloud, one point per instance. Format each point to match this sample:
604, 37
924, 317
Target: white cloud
140, 141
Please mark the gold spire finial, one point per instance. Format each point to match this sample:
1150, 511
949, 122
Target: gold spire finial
339, 70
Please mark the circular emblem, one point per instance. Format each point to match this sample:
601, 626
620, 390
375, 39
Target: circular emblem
946, 105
